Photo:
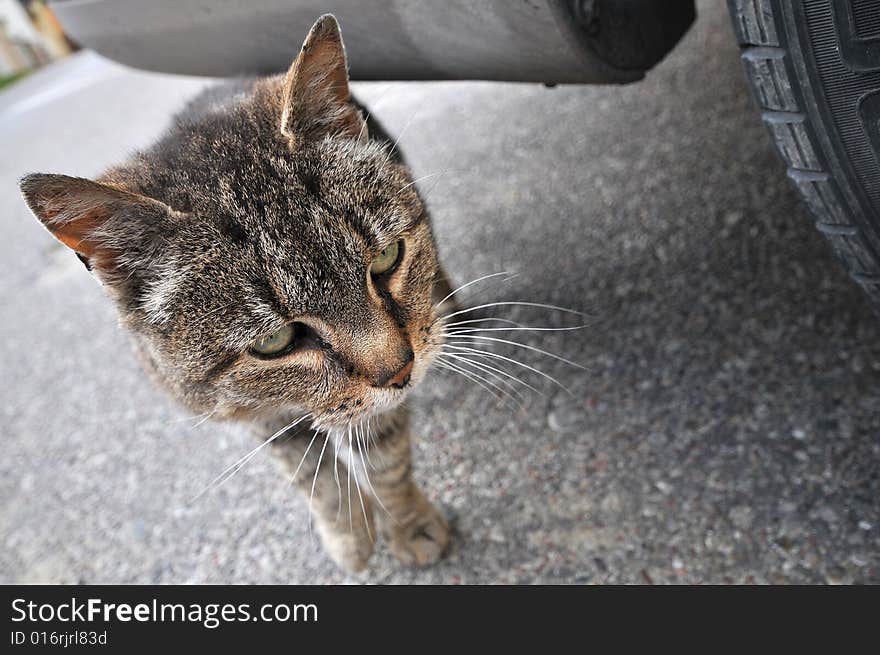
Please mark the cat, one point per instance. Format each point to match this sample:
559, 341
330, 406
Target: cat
276, 265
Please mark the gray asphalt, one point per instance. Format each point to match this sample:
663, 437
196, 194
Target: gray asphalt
727, 428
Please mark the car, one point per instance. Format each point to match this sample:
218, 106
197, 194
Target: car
813, 66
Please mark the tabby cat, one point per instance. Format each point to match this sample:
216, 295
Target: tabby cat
275, 264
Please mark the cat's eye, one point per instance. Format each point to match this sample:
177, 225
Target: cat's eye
387, 260
275, 342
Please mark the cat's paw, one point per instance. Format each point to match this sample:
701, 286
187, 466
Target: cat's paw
421, 537
349, 550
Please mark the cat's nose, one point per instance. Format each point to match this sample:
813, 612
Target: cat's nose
401, 378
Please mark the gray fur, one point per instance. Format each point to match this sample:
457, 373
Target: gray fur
263, 205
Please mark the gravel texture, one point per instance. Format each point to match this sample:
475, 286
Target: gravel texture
727, 428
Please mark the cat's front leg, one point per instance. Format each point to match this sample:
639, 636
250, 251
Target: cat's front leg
341, 513
416, 531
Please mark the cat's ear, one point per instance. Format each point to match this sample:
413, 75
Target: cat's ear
317, 100
100, 223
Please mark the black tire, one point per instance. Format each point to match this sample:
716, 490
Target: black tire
814, 69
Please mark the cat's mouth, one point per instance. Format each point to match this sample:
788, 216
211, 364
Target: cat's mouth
374, 401
362, 410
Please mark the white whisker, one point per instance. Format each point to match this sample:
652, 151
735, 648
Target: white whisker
360, 496
315, 479
513, 329
402, 132
336, 478
350, 519
483, 320
465, 286
200, 418
231, 470
372, 440
370, 484
205, 418
482, 372
303, 458
485, 353
364, 431
521, 345
436, 182
499, 371
512, 302
482, 382
417, 180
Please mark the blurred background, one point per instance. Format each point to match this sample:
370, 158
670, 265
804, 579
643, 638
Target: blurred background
30, 37
726, 430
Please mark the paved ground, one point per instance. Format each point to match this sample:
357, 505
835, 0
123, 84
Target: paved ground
728, 428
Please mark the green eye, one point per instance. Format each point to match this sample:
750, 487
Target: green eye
274, 343
387, 259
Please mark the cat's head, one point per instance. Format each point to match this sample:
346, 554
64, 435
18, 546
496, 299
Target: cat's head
265, 252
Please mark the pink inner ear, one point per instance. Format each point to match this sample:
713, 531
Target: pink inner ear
326, 60
75, 233
316, 92
77, 212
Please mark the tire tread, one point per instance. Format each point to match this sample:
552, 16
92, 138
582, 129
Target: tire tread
767, 69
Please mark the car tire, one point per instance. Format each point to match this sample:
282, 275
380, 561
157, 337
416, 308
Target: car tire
814, 70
